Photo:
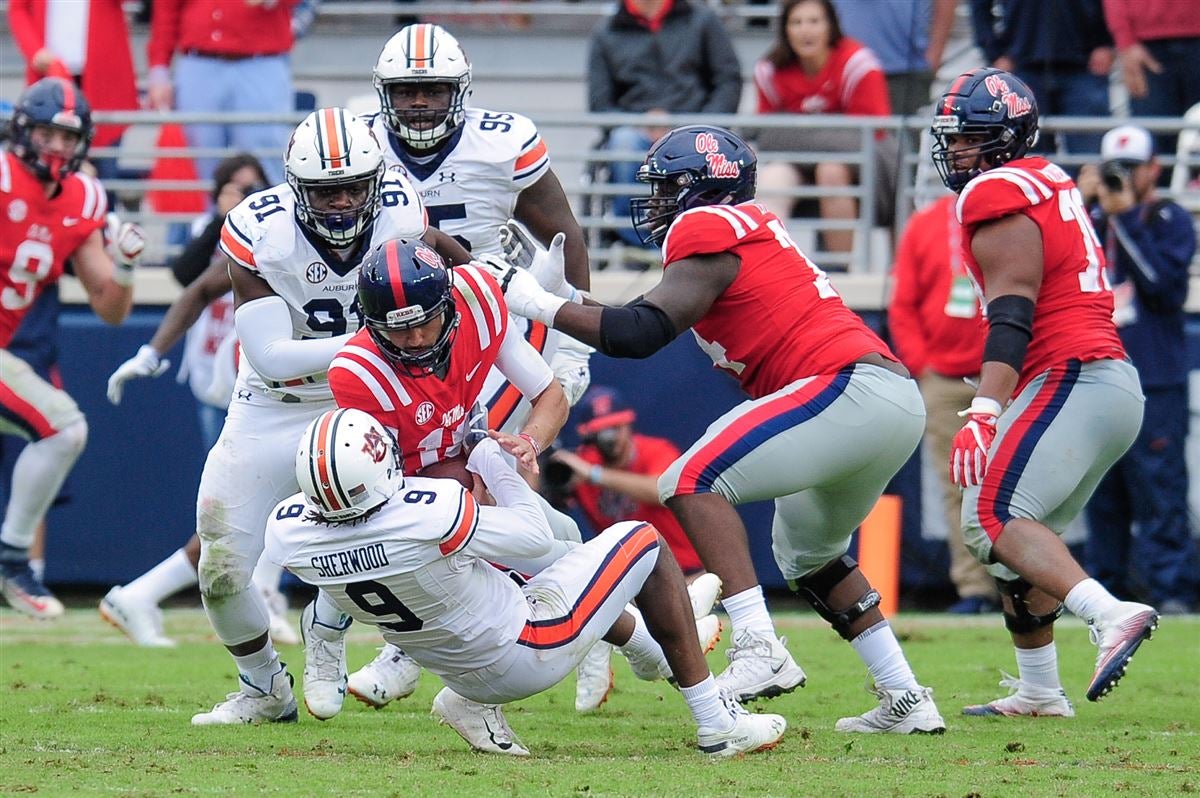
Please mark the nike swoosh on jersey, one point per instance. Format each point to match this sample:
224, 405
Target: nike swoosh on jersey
471, 373
69, 221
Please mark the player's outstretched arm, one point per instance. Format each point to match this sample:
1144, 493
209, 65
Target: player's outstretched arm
447, 246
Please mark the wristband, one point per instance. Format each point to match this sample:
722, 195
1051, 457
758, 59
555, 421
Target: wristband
982, 405
123, 273
537, 450
594, 474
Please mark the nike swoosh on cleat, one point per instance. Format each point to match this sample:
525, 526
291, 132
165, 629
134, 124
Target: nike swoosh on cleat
492, 737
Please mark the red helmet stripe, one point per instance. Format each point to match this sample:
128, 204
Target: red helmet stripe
392, 251
68, 96
422, 45
953, 91
329, 131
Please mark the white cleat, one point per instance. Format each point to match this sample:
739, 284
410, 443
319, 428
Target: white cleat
483, 726
750, 733
276, 706
708, 630
282, 631
899, 712
704, 591
141, 621
1118, 634
760, 666
594, 678
324, 670
1025, 699
391, 675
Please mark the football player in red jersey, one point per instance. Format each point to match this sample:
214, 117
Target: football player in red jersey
49, 212
1058, 401
831, 417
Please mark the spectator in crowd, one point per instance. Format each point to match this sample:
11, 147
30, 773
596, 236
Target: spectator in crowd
657, 57
908, 37
89, 46
227, 56
814, 69
1061, 50
614, 477
938, 332
1057, 402
1158, 45
1149, 242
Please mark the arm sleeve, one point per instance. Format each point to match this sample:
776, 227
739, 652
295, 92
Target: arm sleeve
1156, 254
1117, 18
521, 364
20, 22
518, 527
164, 32
724, 68
264, 328
764, 86
904, 311
198, 254
868, 96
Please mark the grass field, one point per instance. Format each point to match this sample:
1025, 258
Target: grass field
82, 712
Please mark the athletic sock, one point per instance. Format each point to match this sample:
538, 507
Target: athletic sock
165, 579
704, 700
748, 612
1038, 667
880, 651
1089, 600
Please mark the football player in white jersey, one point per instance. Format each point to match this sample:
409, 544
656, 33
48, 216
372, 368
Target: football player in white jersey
474, 170
293, 257
415, 556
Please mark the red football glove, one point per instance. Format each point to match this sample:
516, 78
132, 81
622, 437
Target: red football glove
968, 452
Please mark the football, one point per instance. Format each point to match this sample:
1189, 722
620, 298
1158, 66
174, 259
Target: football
451, 468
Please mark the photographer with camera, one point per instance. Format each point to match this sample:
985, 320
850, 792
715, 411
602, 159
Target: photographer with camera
1149, 243
613, 476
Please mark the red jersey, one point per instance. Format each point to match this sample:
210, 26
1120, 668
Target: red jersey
934, 314
37, 234
428, 414
1072, 319
780, 320
603, 507
851, 82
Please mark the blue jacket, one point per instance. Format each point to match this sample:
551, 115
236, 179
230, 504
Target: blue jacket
1151, 246
1036, 33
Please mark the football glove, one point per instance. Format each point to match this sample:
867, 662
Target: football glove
146, 363
546, 264
522, 293
125, 241
570, 365
969, 450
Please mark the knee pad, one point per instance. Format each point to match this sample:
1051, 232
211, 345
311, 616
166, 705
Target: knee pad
1021, 621
222, 572
75, 435
816, 587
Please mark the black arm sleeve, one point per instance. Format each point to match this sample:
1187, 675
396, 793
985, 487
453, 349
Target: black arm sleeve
1010, 328
198, 253
636, 330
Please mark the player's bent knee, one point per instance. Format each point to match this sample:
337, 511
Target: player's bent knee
222, 573
1020, 619
74, 436
817, 587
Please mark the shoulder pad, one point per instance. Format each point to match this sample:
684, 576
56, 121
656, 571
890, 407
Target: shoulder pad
1000, 192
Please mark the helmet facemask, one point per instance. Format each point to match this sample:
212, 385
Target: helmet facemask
424, 128
417, 362
338, 226
652, 216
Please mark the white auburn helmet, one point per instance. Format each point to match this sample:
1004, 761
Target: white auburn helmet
347, 464
332, 147
423, 54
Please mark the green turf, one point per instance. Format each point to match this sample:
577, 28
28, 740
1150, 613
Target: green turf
82, 712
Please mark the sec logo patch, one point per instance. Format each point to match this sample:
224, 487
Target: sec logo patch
17, 210
424, 412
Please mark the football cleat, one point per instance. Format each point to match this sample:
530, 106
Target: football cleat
1118, 634
324, 670
141, 621
759, 667
899, 712
749, 733
282, 631
594, 678
277, 705
483, 726
26, 593
391, 675
1025, 699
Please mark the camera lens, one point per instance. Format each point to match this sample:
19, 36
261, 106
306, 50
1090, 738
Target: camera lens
556, 475
1113, 175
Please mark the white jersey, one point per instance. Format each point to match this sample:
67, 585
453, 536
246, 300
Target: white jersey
470, 187
419, 568
320, 290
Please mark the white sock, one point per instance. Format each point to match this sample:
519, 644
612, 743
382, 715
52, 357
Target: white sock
37, 476
1039, 666
748, 612
38, 566
1089, 600
878, 648
704, 700
258, 670
165, 579
641, 647
329, 623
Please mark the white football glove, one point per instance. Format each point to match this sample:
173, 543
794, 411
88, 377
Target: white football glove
522, 293
547, 265
570, 365
146, 363
125, 241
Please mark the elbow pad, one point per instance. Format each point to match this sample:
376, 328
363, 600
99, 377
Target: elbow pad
636, 330
1010, 328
